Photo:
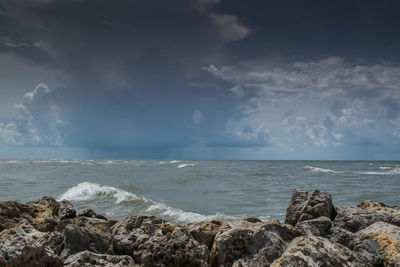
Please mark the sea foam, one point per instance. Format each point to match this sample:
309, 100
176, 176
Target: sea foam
88, 191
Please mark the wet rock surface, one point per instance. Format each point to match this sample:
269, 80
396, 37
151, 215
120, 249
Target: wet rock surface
315, 233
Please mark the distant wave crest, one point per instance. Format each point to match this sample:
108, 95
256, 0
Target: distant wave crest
387, 171
316, 169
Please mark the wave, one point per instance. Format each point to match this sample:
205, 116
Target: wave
185, 165
316, 169
87, 191
391, 171
175, 161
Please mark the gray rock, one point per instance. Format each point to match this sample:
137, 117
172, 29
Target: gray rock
318, 251
307, 206
22, 247
319, 226
367, 249
364, 214
154, 242
246, 247
91, 214
285, 231
80, 238
90, 259
67, 210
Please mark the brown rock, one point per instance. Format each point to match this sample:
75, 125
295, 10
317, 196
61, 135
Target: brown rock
204, 232
317, 251
22, 247
90, 213
67, 210
80, 238
90, 259
246, 247
307, 206
154, 242
387, 236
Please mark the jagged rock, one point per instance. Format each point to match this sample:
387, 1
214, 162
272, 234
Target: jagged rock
367, 249
318, 251
154, 242
90, 213
253, 220
90, 259
364, 214
285, 231
307, 206
22, 247
319, 226
67, 210
246, 247
12, 212
80, 238
53, 240
387, 236
204, 232
99, 225
45, 213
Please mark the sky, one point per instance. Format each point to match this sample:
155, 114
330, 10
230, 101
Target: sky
200, 79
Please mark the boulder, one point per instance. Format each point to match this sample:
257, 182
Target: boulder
91, 214
101, 226
80, 238
22, 247
307, 206
90, 259
246, 247
319, 226
387, 237
355, 218
67, 210
318, 251
285, 231
154, 242
13, 213
45, 213
204, 232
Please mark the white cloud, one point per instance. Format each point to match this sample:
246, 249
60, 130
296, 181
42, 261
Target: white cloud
41, 87
37, 122
318, 104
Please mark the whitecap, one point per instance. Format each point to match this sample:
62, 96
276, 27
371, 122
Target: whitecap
185, 165
174, 161
316, 169
89, 191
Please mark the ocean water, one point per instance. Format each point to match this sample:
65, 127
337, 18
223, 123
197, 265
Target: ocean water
189, 191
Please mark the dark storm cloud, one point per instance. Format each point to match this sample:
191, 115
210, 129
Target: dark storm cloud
125, 69
291, 30
150, 78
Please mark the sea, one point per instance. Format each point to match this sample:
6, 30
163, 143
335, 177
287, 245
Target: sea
186, 191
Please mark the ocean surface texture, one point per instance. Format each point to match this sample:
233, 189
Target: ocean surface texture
188, 191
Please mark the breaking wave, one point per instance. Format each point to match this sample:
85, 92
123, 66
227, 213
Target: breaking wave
88, 191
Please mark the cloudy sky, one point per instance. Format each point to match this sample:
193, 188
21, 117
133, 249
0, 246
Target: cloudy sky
200, 79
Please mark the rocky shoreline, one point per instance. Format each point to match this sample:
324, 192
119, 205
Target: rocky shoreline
315, 233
